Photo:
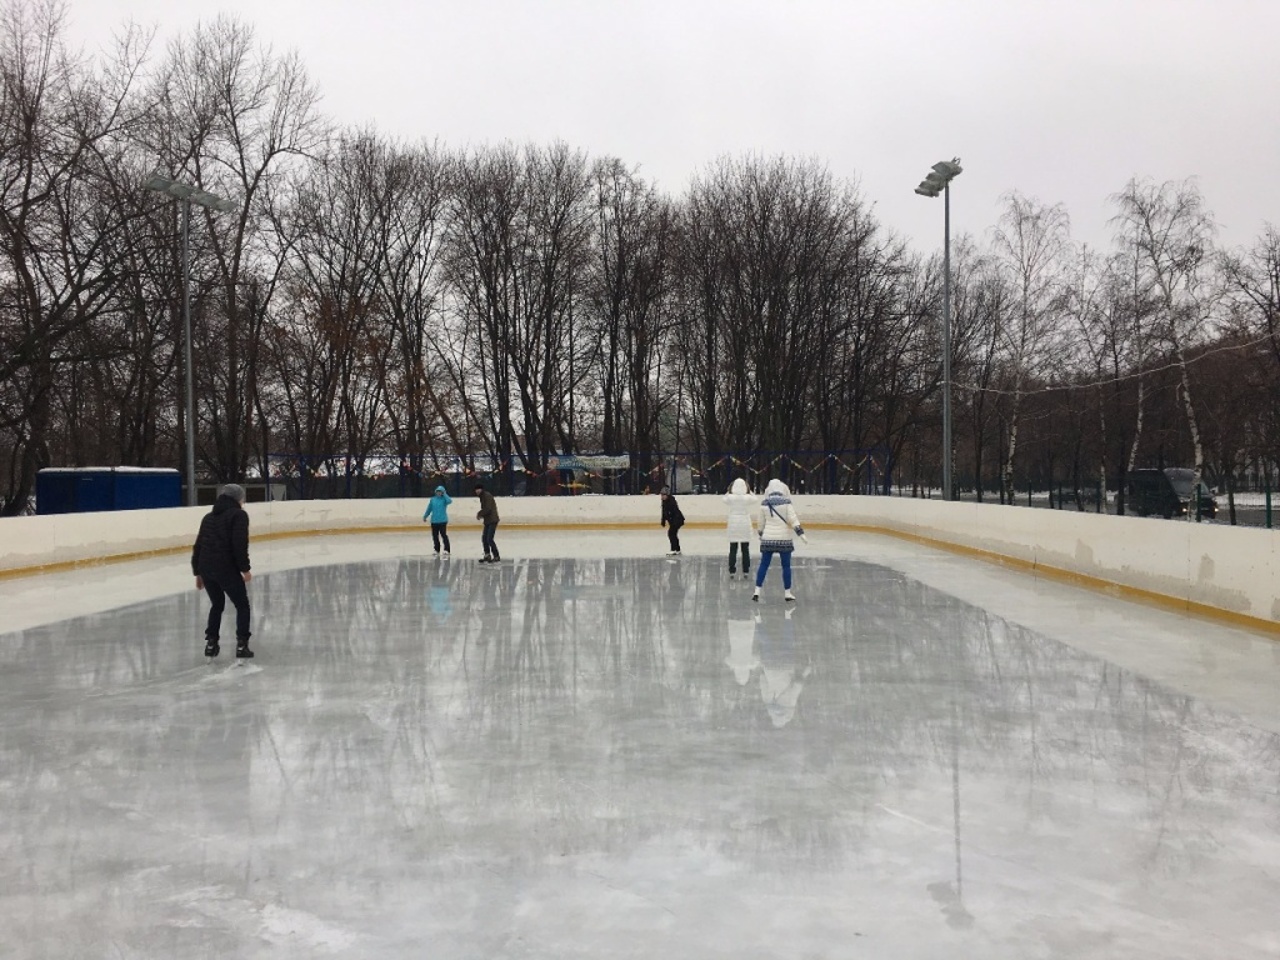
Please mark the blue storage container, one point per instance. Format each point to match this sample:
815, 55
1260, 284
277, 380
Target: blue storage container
90, 489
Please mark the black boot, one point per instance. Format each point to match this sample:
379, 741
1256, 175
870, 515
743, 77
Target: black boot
211, 646
242, 648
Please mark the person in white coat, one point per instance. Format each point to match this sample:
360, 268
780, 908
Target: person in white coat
741, 528
779, 525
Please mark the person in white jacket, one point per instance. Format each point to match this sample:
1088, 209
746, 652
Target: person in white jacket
778, 527
741, 528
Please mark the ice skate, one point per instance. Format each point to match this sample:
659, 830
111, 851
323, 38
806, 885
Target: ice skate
788, 596
242, 649
211, 648
755, 595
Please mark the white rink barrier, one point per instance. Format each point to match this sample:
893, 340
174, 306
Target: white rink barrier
1230, 573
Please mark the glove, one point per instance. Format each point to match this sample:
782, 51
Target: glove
800, 534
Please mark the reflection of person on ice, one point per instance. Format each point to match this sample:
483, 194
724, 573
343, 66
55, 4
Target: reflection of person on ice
740, 526
781, 675
778, 525
742, 659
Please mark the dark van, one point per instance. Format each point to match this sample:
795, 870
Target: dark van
1167, 493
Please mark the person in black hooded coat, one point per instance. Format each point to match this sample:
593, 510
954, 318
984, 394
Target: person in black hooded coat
672, 519
220, 561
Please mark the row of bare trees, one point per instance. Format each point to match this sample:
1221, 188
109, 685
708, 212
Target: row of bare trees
413, 303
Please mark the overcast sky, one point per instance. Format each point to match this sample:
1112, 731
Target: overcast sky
1063, 101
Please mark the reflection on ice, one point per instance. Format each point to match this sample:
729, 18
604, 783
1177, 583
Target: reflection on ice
616, 758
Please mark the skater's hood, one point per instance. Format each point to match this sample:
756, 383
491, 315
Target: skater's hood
777, 487
224, 503
739, 486
441, 490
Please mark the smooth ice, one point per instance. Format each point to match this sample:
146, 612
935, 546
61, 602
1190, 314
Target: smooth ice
592, 751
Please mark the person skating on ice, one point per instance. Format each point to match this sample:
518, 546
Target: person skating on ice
220, 561
740, 526
438, 512
488, 516
778, 527
672, 519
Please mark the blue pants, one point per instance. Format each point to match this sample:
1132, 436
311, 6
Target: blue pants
766, 556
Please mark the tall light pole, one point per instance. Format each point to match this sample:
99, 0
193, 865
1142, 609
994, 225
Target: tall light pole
938, 180
188, 195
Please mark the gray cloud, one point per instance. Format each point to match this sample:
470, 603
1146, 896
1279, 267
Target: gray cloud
1061, 101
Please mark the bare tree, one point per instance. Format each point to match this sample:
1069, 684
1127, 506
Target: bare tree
1172, 238
980, 297
1032, 240
1252, 287
774, 273
337, 235
629, 299
64, 128
519, 233
426, 415
235, 118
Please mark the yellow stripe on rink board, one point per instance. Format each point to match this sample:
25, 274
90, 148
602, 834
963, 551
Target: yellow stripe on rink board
1112, 588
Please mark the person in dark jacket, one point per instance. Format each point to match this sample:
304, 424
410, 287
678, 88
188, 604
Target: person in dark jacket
672, 519
220, 561
488, 515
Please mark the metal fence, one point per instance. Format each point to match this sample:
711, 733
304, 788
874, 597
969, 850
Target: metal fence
341, 477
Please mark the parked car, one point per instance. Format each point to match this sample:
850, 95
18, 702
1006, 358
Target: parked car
1168, 493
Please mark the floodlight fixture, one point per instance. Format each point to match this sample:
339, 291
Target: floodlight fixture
938, 181
157, 182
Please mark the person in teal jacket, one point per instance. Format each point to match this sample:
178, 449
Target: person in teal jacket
438, 512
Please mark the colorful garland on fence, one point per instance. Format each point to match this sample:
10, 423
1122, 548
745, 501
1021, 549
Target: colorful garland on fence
769, 466
343, 468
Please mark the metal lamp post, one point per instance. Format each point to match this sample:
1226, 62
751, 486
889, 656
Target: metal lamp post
188, 195
938, 180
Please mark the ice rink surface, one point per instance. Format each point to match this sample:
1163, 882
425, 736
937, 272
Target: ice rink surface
590, 751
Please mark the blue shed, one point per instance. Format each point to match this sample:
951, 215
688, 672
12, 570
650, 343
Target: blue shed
90, 489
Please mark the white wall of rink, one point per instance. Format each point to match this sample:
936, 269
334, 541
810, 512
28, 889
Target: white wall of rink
1232, 571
